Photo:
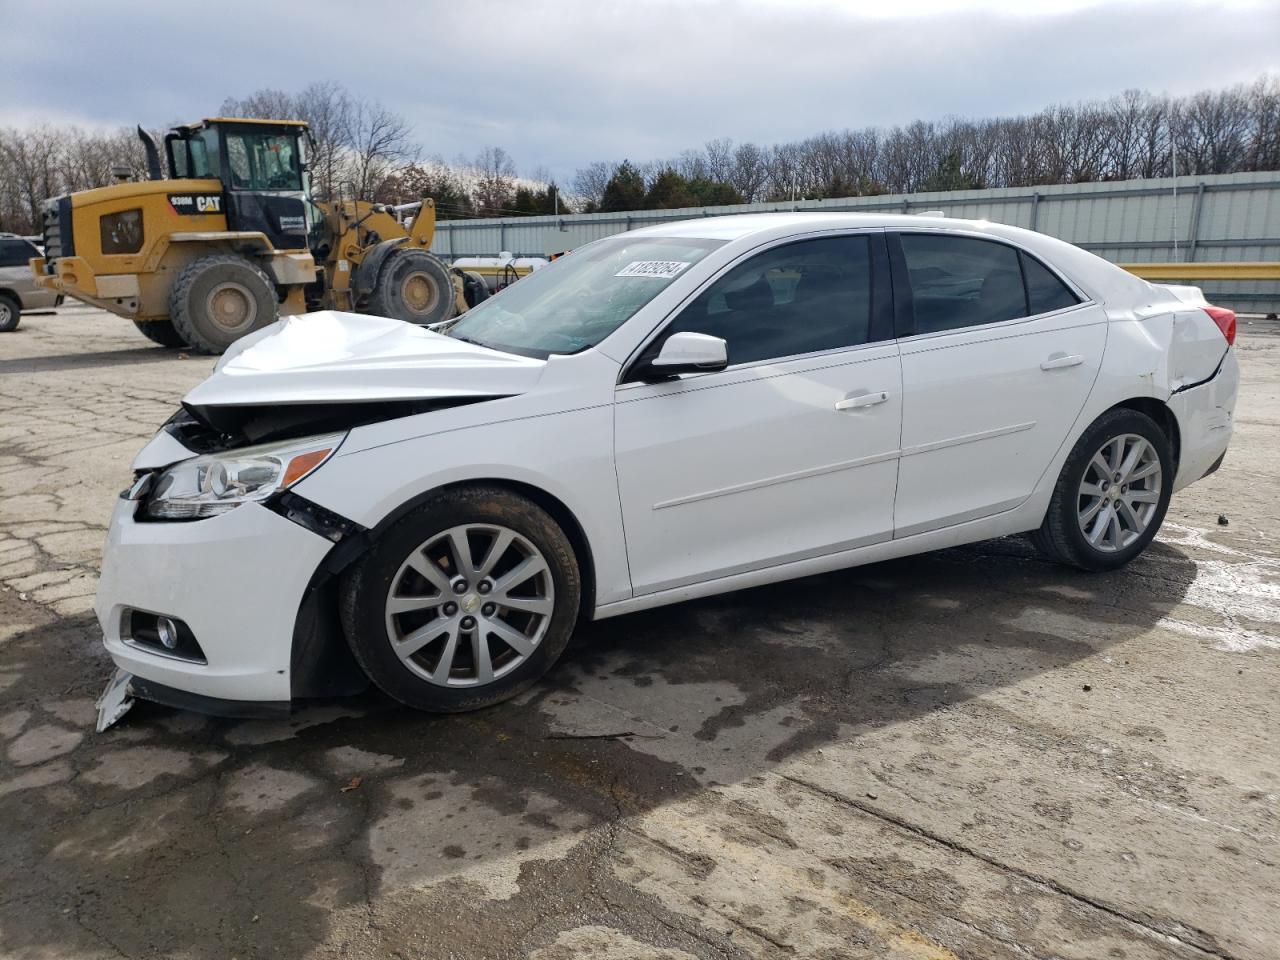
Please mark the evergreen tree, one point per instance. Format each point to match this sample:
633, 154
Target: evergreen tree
624, 191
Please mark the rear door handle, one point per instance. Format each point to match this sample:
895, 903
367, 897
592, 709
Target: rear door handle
1060, 360
861, 400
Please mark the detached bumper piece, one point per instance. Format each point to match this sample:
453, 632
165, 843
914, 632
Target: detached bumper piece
115, 701
124, 689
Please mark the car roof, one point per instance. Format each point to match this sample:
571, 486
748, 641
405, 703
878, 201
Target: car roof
1100, 278
744, 225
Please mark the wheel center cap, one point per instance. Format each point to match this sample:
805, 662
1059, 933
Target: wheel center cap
470, 603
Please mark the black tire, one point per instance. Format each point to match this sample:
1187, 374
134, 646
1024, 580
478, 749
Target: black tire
474, 288
247, 291
10, 313
1060, 536
367, 585
413, 285
161, 332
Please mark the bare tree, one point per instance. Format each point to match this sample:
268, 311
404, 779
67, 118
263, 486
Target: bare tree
589, 182
1211, 129
1264, 108
379, 141
747, 174
718, 159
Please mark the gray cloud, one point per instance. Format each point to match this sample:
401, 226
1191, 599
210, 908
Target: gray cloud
561, 84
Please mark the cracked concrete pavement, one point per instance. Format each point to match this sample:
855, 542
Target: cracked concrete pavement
967, 754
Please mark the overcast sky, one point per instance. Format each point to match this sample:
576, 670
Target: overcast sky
561, 84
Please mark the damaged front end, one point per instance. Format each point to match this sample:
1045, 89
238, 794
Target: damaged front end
211, 537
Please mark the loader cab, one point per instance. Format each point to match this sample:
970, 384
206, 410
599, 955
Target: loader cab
265, 185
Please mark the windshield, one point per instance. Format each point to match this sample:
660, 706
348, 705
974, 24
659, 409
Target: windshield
580, 299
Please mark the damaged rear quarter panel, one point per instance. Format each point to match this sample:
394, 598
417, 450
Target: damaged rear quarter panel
1196, 348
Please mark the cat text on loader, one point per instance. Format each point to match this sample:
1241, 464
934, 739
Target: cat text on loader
232, 238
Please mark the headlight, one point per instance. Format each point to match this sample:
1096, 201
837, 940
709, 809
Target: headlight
209, 485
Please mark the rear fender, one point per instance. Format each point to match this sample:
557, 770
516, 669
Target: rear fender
1195, 345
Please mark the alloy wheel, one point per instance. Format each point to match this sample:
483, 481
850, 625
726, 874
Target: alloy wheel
1119, 492
469, 605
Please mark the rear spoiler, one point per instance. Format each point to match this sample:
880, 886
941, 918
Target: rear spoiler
1193, 296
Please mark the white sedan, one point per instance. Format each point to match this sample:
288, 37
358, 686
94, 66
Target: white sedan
674, 412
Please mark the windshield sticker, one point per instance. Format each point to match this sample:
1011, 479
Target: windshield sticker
655, 269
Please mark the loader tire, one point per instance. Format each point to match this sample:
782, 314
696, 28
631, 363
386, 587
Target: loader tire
220, 298
414, 286
161, 332
475, 290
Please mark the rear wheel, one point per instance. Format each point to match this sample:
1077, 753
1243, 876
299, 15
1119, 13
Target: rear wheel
10, 312
414, 286
161, 332
464, 602
1112, 494
218, 299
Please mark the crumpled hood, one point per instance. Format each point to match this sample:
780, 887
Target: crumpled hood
330, 357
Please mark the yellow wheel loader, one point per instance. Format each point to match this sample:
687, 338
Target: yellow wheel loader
231, 239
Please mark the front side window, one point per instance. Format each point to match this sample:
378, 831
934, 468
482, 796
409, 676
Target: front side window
580, 299
961, 282
204, 154
263, 161
803, 297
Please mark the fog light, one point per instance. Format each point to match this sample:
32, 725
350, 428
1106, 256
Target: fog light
167, 631
160, 634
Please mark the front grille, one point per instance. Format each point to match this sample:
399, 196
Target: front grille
58, 241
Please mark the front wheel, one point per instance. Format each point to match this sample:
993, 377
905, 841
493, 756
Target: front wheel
464, 602
1112, 494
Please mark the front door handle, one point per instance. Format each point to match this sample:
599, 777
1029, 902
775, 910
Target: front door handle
861, 400
1060, 360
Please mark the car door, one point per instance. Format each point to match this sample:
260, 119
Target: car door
998, 357
788, 453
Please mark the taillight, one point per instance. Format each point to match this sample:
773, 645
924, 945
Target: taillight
1226, 321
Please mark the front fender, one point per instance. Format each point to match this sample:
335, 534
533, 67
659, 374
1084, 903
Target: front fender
568, 456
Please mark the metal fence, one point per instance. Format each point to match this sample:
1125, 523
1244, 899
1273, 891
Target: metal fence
1231, 217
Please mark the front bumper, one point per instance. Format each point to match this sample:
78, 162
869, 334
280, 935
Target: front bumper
237, 580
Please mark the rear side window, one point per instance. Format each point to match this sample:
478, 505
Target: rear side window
799, 298
1045, 292
15, 252
961, 282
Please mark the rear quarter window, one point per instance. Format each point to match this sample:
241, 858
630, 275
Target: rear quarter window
1045, 291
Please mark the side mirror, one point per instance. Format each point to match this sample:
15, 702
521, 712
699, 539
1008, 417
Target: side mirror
688, 353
